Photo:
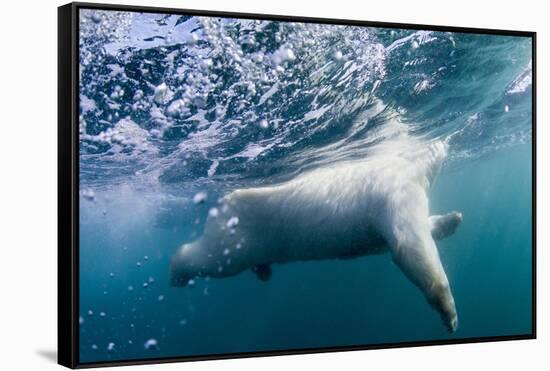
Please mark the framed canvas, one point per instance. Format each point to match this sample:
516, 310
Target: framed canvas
236, 185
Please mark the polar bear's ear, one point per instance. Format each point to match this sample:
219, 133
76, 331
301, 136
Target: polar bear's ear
263, 272
443, 226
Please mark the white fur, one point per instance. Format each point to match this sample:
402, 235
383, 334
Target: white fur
343, 210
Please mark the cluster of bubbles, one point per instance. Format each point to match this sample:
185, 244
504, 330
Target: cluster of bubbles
213, 89
177, 98
151, 344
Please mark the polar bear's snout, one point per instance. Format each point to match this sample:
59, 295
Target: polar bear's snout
181, 267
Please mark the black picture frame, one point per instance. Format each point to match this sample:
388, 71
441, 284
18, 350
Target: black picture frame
68, 182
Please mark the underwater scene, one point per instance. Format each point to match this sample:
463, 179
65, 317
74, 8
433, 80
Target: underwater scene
257, 185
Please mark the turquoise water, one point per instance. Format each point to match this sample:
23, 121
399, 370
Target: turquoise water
166, 116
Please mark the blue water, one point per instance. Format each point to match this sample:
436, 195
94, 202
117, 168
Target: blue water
175, 106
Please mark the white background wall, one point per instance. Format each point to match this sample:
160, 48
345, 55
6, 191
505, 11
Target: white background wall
28, 168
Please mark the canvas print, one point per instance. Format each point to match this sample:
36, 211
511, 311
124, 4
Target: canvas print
253, 185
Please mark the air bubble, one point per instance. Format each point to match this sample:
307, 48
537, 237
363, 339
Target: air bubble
96, 17
162, 93
207, 63
151, 344
88, 194
283, 54
213, 212
138, 95
176, 108
263, 124
232, 222
199, 198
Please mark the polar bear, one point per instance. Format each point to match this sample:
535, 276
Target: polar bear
349, 209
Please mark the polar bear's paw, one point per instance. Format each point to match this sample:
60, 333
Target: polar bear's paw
263, 272
443, 226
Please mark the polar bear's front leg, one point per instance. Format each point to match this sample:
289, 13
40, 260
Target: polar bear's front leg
413, 249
